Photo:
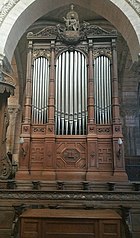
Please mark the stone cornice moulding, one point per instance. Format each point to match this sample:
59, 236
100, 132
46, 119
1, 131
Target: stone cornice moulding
135, 4
6, 7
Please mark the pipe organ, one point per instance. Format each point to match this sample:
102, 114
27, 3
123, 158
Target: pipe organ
71, 123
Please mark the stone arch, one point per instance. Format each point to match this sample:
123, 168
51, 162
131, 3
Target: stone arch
24, 13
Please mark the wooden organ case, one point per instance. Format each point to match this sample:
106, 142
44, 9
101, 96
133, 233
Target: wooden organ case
71, 125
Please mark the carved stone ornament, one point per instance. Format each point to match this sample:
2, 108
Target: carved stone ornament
5, 168
135, 4
6, 83
6, 88
129, 111
6, 7
71, 32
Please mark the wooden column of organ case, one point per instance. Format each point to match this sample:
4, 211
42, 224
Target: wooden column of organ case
71, 123
51, 223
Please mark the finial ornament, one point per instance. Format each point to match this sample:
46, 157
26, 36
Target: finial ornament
72, 7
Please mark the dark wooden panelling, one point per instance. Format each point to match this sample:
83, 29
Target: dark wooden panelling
51, 223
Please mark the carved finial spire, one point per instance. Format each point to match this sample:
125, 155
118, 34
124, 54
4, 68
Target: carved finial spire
72, 7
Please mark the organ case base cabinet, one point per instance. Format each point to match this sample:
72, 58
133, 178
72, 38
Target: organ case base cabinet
64, 223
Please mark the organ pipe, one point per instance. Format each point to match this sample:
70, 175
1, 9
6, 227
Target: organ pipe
102, 90
71, 94
40, 90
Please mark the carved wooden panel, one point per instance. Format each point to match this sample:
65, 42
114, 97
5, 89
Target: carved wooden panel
32, 228
49, 154
71, 155
70, 228
38, 130
105, 156
37, 154
25, 129
92, 153
104, 130
110, 228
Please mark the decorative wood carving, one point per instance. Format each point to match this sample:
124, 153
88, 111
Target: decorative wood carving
105, 155
71, 155
102, 51
37, 155
92, 154
5, 168
104, 130
71, 195
38, 129
41, 53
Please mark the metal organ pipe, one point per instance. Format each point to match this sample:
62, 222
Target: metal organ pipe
40, 90
67, 95
71, 94
102, 90
63, 95
75, 94
79, 93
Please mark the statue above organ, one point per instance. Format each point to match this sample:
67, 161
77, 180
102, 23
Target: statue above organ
71, 123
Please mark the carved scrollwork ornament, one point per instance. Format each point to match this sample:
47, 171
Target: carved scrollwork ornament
41, 53
102, 51
5, 168
83, 49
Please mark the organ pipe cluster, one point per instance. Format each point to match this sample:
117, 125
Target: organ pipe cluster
102, 90
40, 90
71, 94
